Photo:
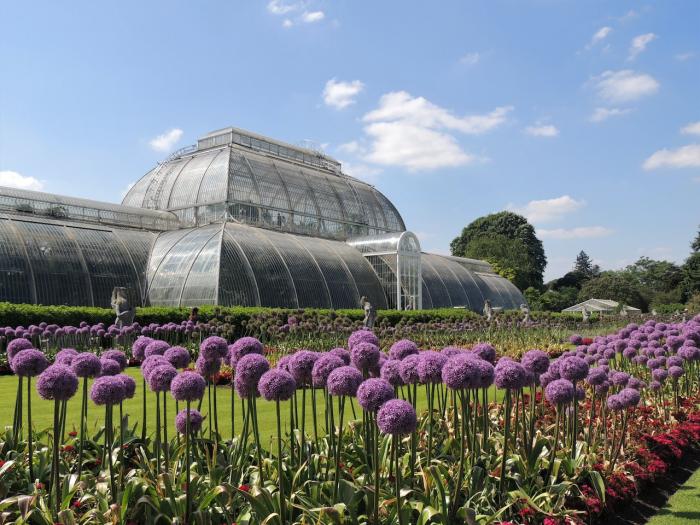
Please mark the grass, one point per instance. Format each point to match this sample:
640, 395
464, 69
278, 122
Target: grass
42, 411
683, 508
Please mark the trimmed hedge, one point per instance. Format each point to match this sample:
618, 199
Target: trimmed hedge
27, 314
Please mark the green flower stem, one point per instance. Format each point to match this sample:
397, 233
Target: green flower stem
54, 463
83, 417
280, 475
29, 430
397, 478
188, 495
143, 421
506, 440
336, 483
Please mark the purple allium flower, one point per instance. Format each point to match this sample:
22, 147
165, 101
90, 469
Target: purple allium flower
636, 383
545, 379
196, 420
86, 364
403, 348
675, 371
116, 355
559, 392
249, 370
344, 381
65, 356
29, 363
629, 397
323, 366
129, 385
674, 360
596, 376
629, 352
461, 372
659, 374
535, 361
573, 368
602, 389
301, 366
107, 390
451, 351
615, 403
207, 367
391, 372
17, 345
177, 356
364, 356
485, 351
510, 374
150, 362
187, 386
138, 349
430, 364
156, 347
655, 386
277, 385
576, 339
397, 418
109, 367
57, 382
342, 353
362, 336
409, 369
373, 393
160, 377
245, 346
619, 378
487, 373
213, 348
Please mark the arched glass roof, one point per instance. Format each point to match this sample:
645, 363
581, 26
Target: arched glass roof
235, 264
264, 183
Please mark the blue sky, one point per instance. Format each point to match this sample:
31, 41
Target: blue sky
582, 115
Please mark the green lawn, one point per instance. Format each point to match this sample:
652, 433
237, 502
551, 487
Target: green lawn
42, 411
683, 508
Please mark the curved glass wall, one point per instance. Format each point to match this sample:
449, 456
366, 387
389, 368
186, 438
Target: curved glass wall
69, 263
235, 264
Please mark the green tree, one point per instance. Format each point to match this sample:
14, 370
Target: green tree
691, 275
508, 240
584, 266
618, 286
695, 245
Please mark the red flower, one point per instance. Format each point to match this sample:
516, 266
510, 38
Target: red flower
77, 504
244, 488
72, 433
68, 448
1, 463
39, 485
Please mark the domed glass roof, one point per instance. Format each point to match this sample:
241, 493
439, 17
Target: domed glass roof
237, 175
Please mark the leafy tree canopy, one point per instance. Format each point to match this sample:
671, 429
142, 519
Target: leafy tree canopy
509, 242
618, 286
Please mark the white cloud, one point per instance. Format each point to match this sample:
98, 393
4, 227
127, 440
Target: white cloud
361, 171
470, 59
625, 85
287, 23
683, 157
279, 7
602, 114
582, 232
682, 57
312, 16
353, 147
167, 140
412, 132
640, 43
339, 94
12, 179
548, 210
542, 130
599, 35
692, 128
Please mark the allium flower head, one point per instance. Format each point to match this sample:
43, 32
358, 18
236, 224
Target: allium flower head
559, 392
461, 372
535, 361
177, 356
576, 339
364, 355
344, 381
675, 371
301, 366
138, 349
573, 368
17, 345
373, 393
160, 377
485, 351
629, 397
65, 356
397, 418
107, 390
196, 420
109, 367
615, 403
510, 375
277, 385
213, 348
430, 364
409, 369
249, 370
116, 355
150, 362
129, 385
596, 376
342, 353
156, 347
659, 374
86, 364
207, 367
29, 363
57, 382
362, 336
619, 378
245, 346
391, 372
188, 386
323, 366
402, 348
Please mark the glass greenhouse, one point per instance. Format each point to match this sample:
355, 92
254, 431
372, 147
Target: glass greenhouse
237, 219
